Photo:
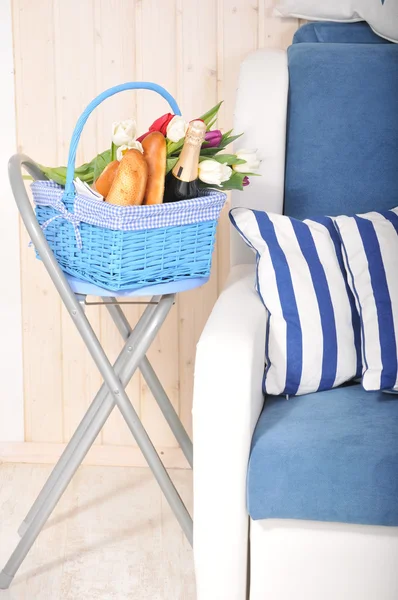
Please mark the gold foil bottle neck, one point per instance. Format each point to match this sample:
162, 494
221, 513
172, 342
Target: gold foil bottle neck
195, 133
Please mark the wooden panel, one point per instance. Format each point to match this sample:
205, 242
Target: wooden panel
37, 137
11, 367
116, 431
73, 91
274, 32
197, 92
115, 63
156, 61
78, 49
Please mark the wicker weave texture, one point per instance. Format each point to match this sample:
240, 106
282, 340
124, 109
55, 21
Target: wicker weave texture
119, 260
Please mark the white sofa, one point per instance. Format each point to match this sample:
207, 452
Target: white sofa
235, 557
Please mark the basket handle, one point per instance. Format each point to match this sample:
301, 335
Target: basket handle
131, 85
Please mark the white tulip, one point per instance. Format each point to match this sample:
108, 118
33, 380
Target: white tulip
176, 129
123, 149
226, 173
213, 172
124, 132
252, 163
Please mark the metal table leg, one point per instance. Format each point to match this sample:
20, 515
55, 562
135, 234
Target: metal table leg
126, 365
112, 392
80, 431
155, 386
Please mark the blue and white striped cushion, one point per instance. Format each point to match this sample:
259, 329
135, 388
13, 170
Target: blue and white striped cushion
313, 339
370, 244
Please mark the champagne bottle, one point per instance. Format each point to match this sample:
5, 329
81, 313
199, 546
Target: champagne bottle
182, 182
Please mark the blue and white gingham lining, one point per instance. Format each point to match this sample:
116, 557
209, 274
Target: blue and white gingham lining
129, 218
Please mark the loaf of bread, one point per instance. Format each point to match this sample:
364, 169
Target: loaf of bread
155, 155
130, 181
104, 182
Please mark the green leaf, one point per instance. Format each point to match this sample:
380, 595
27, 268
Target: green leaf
206, 152
86, 172
212, 122
235, 182
228, 139
86, 168
210, 114
100, 162
229, 159
227, 134
113, 152
174, 147
170, 163
56, 174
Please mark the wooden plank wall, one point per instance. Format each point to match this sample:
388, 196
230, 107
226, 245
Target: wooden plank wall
65, 54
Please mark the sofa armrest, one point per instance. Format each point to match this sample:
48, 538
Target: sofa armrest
228, 400
260, 112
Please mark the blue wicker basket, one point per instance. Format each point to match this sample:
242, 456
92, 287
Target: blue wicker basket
117, 247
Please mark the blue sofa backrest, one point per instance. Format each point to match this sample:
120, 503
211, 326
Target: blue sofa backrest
342, 135
337, 33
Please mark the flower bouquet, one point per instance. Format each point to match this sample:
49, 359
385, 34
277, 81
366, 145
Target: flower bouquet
216, 169
118, 220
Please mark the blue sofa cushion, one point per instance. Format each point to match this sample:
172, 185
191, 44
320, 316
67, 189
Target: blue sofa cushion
337, 33
329, 456
342, 138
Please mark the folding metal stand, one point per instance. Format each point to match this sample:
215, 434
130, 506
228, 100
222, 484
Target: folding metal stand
112, 392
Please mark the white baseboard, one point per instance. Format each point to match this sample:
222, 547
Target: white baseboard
99, 455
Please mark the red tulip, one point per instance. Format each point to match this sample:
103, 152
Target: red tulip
161, 123
158, 125
143, 136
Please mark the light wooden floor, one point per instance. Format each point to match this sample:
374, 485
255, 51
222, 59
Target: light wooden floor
112, 537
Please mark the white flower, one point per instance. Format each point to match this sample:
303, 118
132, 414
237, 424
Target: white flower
252, 161
124, 132
123, 149
176, 129
213, 172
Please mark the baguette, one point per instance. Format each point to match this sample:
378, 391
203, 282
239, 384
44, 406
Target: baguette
154, 146
105, 180
130, 181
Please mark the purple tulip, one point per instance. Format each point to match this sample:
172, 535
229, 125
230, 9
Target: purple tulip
213, 138
245, 181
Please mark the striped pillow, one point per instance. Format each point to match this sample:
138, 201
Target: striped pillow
370, 248
313, 329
